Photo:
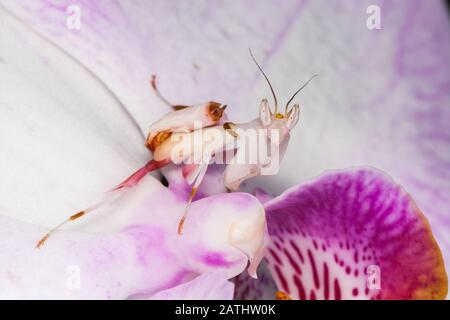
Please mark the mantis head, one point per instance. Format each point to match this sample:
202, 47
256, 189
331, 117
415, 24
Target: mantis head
281, 122
275, 121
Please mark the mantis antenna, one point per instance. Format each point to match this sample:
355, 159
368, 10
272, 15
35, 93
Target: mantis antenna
267, 79
290, 100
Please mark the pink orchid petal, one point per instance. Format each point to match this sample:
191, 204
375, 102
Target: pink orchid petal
208, 286
142, 255
341, 235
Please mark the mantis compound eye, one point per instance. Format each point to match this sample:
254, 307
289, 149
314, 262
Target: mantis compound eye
264, 113
293, 116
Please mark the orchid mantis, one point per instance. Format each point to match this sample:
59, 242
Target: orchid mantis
194, 137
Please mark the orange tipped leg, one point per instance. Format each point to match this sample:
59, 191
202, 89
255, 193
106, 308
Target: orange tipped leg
201, 173
73, 217
131, 181
186, 210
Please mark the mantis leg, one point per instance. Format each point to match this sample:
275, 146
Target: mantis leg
131, 181
137, 176
162, 98
200, 175
73, 217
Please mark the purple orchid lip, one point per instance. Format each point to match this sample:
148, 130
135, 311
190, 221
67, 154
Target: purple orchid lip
76, 107
353, 234
350, 234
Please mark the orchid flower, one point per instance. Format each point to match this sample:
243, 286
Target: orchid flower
346, 217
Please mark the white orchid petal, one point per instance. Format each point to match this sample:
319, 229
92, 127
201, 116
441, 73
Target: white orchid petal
65, 138
142, 255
